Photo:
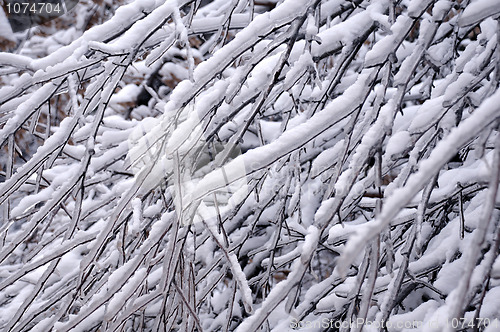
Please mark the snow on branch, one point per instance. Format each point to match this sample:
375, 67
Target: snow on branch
251, 165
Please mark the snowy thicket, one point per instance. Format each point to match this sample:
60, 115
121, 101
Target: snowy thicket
251, 165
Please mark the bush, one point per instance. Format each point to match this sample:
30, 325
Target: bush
251, 165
